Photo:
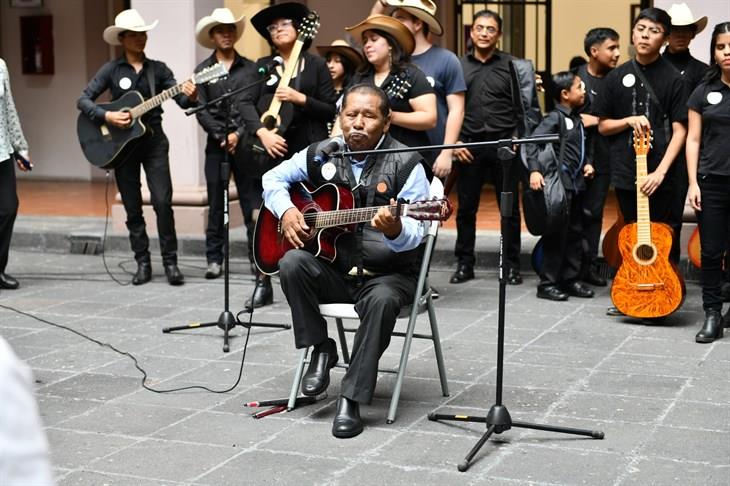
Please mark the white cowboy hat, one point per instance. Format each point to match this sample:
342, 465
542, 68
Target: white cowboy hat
682, 16
424, 10
218, 17
126, 20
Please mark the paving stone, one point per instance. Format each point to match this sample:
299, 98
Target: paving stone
126, 419
654, 470
93, 478
73, 450
690, 444
636, 385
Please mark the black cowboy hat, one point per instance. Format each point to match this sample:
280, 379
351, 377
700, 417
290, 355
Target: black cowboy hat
289, 10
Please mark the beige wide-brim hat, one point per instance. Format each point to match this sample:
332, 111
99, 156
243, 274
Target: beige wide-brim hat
218, 17
682, 17
387, 24
126, 20
344, 49
424, 10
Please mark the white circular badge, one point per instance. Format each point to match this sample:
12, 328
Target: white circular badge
272, 80
328, 171
431, 81
125, 83
569, 124
629, 80
714, 97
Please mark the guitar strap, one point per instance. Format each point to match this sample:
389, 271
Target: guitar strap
652, 96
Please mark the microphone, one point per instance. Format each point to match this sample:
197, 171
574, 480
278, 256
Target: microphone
271, 65
323, 155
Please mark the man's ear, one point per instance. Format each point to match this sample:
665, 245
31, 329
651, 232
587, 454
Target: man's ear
594, 51
386, 124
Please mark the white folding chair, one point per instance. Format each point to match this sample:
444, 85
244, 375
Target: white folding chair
423, 302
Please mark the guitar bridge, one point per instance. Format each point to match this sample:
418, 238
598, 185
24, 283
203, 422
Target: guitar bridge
648, 286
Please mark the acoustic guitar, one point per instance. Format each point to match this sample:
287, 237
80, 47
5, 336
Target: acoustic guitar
609, 248
108, 146
647, 284
330, 212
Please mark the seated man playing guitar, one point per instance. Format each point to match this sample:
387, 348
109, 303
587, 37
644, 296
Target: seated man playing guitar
376, 266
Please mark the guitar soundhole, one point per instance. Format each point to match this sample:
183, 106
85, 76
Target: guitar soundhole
645, 253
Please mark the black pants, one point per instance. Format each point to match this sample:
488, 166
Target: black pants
471, 179
8, 209
660, 205
680, 184
562, 249
713, 220
594, 200
308, 281
150, 154
249, 198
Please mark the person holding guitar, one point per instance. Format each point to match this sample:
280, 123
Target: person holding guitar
134, 71
708, 170
376, 266
302, 88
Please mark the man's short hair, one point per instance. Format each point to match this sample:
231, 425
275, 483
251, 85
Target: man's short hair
383, 106
489, 14
656, 15
598, 36
562, 81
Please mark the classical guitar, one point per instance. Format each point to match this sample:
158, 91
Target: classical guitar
330, 212
647, 284
108, 146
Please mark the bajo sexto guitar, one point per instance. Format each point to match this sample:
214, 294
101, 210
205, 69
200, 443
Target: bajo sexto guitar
647, 284
330, 212
107, 146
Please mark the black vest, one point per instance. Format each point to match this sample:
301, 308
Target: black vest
382, 178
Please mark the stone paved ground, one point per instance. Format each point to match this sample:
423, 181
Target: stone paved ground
662, 400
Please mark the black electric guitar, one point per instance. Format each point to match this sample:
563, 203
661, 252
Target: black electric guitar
108, 146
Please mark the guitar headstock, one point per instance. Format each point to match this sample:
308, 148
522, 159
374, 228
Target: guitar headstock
309, 27
210, 73
398, 86
642, 143
431, 210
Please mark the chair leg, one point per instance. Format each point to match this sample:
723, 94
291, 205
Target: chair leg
408, 339
297, 379
437, 349
343, 341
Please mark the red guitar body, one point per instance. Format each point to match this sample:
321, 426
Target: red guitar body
269, 245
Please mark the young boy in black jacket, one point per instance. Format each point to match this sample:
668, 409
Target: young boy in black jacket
562, 251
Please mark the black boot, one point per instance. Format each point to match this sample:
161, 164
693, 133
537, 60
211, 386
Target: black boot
712, 329
317, 378
144, 273
263, 294
347, 421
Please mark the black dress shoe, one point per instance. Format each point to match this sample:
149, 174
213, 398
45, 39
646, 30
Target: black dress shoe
8, 282
263, 293
514, 277
347, 421
592, 277
577, 289
551, 292
463, 273
317, 378
614, 312
712, 329
144, 273
213, 270
174, 275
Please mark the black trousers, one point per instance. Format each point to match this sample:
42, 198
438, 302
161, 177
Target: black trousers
308, 281
150, 154
8, 208
594, 200
472, 176
562, 248
713, 221
249, 198
680, 184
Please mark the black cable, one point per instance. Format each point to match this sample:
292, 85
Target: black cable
103, 240
134, 359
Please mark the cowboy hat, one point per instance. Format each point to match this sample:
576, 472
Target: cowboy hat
389, 25
126, 20
289, 10
218, 17
682, 17
343, 49
424, 10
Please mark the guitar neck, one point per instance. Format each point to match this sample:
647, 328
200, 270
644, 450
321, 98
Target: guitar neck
285, 80
643, 216
155, 101
344, 217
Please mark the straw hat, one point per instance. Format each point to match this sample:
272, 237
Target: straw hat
343, 49
424, 10
392, 26
218, 17
682, 17
289, 10
126, 20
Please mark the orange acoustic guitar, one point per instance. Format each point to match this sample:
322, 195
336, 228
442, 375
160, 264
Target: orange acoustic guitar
647, 284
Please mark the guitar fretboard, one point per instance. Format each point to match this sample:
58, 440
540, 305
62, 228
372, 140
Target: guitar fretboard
155, 101
643, 217
343, 217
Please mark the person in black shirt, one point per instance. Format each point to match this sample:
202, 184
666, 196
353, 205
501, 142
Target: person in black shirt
220, 31
489, 115
343, 61
684, 29
708, 168
627, 104
133, 71
602, 47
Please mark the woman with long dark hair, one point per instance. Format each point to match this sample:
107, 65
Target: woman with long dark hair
708, 170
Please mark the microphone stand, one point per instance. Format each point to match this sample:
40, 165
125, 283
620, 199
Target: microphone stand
226, 320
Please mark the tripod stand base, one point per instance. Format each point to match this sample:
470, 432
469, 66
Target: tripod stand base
498, 420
